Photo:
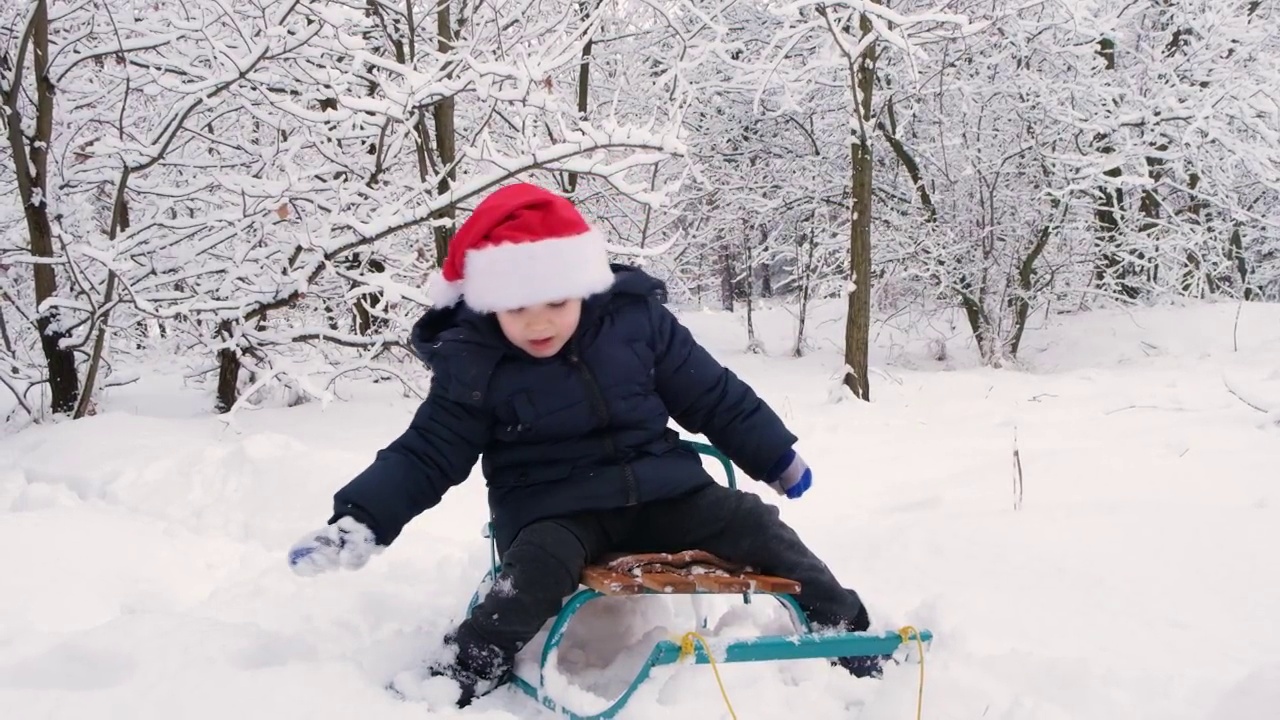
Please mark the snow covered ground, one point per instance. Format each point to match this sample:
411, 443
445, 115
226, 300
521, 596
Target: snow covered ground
144, 575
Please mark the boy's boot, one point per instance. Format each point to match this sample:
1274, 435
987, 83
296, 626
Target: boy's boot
866, 666
863, 667
478, 667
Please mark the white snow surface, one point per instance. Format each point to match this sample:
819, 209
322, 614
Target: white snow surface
144, 573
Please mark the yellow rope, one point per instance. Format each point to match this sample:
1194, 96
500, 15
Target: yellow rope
687, 649
905, 633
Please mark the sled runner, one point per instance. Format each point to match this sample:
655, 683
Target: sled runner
693, 572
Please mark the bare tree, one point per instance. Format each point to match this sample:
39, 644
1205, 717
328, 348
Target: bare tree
28, 120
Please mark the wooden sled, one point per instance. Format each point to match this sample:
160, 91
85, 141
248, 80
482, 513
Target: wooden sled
688, 573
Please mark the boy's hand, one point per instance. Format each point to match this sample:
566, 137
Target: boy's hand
790, 476
346, 543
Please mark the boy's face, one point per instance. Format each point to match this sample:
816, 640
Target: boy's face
541, 330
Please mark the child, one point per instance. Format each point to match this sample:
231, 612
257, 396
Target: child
561, 371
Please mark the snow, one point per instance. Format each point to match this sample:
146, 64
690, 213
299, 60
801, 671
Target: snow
144, 548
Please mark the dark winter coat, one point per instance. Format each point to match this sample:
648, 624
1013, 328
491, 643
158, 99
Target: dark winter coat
584, 430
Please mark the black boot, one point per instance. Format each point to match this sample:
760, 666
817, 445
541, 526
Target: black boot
478, 667
862, 666
871, 666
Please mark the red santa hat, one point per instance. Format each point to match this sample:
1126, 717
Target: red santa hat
522, 245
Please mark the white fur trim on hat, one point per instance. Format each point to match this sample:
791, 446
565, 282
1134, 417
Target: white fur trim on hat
514, 275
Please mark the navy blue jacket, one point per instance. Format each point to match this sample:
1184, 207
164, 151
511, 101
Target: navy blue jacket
584, 430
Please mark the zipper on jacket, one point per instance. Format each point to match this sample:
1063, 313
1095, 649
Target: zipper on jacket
602, 411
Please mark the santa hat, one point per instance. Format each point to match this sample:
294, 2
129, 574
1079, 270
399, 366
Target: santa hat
522, 246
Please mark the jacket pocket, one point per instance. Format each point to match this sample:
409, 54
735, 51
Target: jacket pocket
516, 418
528, 474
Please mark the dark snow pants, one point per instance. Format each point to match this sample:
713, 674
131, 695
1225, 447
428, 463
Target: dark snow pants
545, 561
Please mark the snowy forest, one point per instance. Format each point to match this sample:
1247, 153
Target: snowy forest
260, 188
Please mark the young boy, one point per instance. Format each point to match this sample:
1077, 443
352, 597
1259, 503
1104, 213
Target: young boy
561, 371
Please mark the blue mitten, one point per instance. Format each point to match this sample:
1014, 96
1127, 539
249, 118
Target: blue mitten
790, 476
346, 543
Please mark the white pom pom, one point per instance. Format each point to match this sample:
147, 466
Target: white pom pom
441, 292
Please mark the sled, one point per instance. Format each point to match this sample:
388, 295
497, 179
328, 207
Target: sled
693, 572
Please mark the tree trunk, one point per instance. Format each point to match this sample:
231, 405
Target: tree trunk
228, 370
1149, 206
365, 321
1110, 264
857, 331
584, 77
443, 113
726, 276
1235, 253
1195, 276
807, 241
31, 166
963, 287
753, 344
119, 223
1020, 301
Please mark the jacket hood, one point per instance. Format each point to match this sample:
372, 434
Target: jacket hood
630, 280
460, 324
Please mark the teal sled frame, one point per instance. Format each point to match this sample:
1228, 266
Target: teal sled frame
804, 643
